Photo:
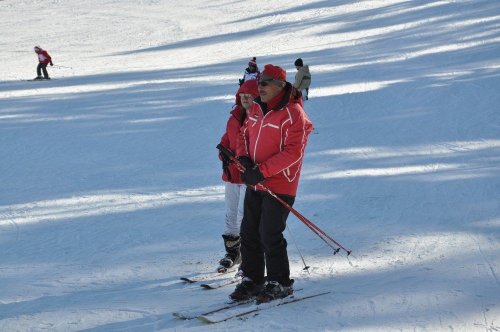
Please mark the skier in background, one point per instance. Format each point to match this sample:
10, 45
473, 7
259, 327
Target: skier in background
302, 78
251, 72
234, 192
43, 60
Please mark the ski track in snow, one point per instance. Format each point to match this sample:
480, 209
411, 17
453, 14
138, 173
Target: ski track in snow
110, 184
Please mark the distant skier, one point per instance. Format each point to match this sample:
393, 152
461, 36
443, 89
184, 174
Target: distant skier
234, 190
251, 72
43, 60
302, 78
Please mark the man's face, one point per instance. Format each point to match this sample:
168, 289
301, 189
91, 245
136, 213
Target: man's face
268, 89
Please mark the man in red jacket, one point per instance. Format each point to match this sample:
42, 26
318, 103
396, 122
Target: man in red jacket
43, 60
271, 147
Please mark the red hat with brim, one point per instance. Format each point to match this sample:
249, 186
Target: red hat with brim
272, 72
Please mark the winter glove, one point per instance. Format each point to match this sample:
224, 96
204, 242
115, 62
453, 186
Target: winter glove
246, 162
252, 176
225, 169
51, 63
225, 159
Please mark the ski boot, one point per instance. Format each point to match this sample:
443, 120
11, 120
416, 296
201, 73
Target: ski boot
232, 244
246, 290
274, 290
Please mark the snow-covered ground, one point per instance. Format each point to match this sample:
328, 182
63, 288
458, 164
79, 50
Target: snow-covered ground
110, 183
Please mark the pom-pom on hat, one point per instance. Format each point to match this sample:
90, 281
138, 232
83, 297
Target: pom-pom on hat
249, 87
272, 72
253, 62
299, 63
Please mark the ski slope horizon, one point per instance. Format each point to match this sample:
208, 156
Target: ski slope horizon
110, 185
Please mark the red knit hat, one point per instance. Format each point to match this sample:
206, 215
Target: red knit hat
253, 62
273, 72
249, 87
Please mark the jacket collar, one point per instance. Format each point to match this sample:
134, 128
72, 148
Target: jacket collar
280, 101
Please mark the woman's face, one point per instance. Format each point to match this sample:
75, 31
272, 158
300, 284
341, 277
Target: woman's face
246, 100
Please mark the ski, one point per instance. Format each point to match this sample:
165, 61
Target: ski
234, 312
221, 283
191, 314
207, 276
40, 79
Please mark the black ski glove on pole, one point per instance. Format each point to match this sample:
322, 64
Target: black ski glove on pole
246, 162
225, 159
252, 176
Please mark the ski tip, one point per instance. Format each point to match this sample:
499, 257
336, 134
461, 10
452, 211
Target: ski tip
178, 315
206, 286
206, 319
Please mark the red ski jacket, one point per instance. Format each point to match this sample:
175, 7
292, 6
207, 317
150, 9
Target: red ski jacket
275, 139
43, 57
229, 141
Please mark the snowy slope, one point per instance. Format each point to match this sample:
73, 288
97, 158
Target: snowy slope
110, 184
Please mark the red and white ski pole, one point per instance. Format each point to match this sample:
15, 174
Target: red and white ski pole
336, 246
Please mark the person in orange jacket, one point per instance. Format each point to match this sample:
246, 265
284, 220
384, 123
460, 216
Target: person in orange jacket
43, 60
234, 188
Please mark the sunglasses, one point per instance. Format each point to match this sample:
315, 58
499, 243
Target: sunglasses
262, 82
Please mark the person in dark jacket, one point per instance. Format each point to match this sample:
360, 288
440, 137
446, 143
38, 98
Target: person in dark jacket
271, 147
234, 187
43, 60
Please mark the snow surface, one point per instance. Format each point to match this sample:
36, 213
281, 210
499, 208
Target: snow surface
110, 184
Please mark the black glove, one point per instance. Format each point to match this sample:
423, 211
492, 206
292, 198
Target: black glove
252, 176
225, 169
225, 159
246, 162
51, 63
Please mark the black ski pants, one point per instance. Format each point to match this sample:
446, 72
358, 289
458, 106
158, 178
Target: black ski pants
42, 67
263, 245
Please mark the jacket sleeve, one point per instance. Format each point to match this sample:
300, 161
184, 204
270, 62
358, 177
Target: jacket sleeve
224, 141
242, 141
298, 79
295, 138
49, 58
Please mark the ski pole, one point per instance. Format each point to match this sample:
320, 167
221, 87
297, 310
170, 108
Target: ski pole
57, 66
306, 267
336, 246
